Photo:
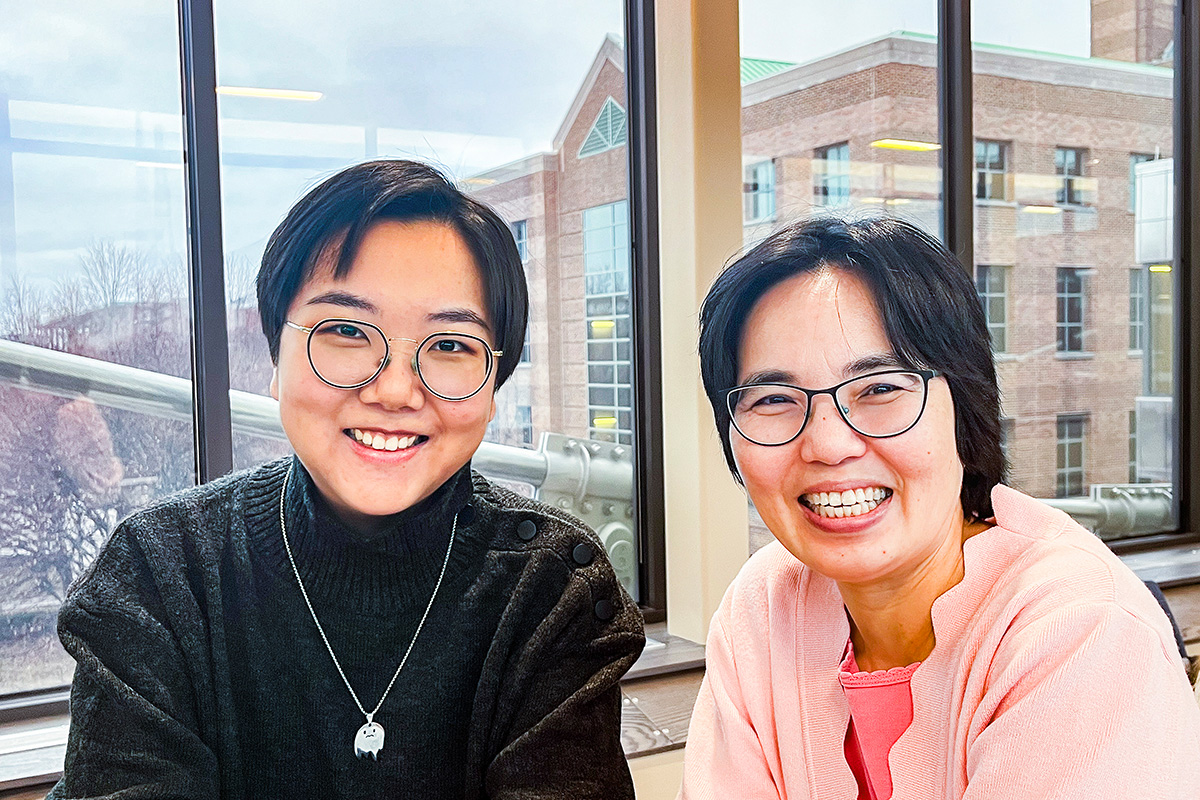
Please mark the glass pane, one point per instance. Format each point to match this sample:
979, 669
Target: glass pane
95, 398
1083, 96
845, 108
465, 86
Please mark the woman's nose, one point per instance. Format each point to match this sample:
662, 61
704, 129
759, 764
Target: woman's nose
397, 385
827, 438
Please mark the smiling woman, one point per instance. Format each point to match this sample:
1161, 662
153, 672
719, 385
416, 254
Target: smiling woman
368, 617
919, 630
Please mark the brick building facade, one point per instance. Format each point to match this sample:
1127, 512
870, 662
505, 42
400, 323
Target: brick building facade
855, 132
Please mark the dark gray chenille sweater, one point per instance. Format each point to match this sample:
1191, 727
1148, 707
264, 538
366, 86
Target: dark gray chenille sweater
200, 673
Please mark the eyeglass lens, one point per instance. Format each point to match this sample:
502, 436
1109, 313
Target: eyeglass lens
347, 353
874, 405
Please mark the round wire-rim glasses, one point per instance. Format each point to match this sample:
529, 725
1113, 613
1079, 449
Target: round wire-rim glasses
732, 397
490, 355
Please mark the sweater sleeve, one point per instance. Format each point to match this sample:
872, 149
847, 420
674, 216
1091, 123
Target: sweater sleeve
724, 757
1085, 702
561, 703
134, 728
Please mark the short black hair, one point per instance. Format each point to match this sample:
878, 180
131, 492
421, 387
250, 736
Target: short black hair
333, 218
931, 314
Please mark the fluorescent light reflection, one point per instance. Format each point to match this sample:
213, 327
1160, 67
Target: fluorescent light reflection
270, 94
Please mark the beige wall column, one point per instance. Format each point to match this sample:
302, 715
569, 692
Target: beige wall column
699, 148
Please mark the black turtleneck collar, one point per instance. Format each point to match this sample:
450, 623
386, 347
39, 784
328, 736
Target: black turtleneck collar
384, 568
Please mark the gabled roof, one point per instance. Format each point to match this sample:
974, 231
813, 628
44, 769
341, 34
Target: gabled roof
612, 49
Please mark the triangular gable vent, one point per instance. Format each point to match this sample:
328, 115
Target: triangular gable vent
608, 132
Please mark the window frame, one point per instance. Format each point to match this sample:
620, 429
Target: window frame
827, 180
1064, 471
1068, 194
983, 272
758, 191
984, 171
1062, 302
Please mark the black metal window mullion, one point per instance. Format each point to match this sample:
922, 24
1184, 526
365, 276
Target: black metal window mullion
1187, 248
642, 153
206, 263
955, 128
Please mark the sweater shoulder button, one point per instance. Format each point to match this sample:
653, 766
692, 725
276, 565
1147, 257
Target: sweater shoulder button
526, 530
605, 610
583, 554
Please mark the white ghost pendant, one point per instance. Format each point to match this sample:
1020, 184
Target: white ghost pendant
369, 740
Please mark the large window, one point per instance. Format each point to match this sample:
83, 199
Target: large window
1074, 142
95, 367
95, 326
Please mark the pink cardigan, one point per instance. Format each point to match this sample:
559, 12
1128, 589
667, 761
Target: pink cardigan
1055, 675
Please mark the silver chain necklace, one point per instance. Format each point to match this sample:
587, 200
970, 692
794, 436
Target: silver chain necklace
369, 740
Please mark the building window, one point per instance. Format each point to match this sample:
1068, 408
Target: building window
1070, 292
520, 230
1137, 308
992, 284
758, 192
831, 175
1069, 473
526, 348
991, 170
1134, 160
524, 424
1133, 470
607, 132
1068, 166
1008, 428
609, 324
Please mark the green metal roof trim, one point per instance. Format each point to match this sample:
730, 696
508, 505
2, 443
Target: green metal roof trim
1131, 66
754, 69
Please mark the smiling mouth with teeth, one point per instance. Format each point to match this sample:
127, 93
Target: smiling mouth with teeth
850, 503
377, 441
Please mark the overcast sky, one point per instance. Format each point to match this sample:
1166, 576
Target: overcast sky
467, 84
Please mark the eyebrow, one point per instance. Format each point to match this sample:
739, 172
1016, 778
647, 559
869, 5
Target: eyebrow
857, 367
348, 300
343, 299
460, 315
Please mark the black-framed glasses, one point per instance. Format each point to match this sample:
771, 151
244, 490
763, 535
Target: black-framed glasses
350, 353
878, 405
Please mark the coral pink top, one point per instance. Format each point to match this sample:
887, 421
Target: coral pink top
1055, 674
880, 710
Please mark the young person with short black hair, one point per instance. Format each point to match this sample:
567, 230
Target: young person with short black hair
367, 618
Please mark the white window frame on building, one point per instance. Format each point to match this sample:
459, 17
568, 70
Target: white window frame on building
1069, 477
1071, 309
520, 230
609, 322
831, 175
991, 170
758, 192
1068, 166
991, 282
1138, 307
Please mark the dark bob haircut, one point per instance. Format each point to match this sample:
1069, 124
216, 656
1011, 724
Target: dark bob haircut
931, 315
332, 219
